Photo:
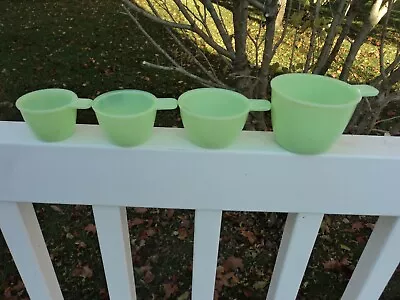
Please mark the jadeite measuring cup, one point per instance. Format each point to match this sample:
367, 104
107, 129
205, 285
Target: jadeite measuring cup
310, 112
213, 118
51, 113
127, 116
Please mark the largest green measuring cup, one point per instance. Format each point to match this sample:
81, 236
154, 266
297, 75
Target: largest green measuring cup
51, 113
310, 112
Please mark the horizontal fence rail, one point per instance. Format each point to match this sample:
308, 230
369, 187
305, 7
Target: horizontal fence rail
358, 176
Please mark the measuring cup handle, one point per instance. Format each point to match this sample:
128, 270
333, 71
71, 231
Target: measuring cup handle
166, 103
366, 90
259, 105
82, 103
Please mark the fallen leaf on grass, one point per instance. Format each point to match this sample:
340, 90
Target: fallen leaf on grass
185, 223
148, 276
150, 232
19, 286
135, 222
335, 264
83, 271
80, 244
247, 293
7, 293
331, 265
103, 294
232, 263
182, 233
170, 213
249, 235
57, 209
360, 239
344, 247
356, 226
260, 285
140, 210
145, 234
169, 289
90, 228
230, 279
184, 296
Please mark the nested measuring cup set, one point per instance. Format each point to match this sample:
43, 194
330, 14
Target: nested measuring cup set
309, 113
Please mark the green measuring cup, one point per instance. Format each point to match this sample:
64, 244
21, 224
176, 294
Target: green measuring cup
127, 116
214, 118
51, 113
310, 112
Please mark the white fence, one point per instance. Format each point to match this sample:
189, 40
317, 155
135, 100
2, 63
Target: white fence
360, 175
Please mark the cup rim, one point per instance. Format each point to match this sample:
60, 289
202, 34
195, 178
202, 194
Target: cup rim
22, 98
190, 112
124, 91
322, 77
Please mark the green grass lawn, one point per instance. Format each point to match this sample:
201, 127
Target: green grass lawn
90, 48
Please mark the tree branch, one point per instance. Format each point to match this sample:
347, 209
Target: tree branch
154, 18
313, 37
217, 21
388, 70
394, 77
267, 56
180, 70
382, 45
211, 74
375, 15
200, 17
176, 66
386, 120
221, 16
201, 33
257, 4
353, 11
285, 27
241, 62
192, 26
338, 19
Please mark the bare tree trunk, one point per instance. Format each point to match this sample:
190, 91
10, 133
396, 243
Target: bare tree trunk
376, 14
338, 19
367, 113
310, 52
268, 50
281, 14
345, 30
355, 47
219, 24
241, 62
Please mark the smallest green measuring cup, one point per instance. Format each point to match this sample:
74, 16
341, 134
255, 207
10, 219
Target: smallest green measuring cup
51, 113
127, 117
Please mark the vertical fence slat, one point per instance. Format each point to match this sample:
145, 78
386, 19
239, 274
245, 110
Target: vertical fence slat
207, 229
25, 240
298, 240
377, 263
113, 234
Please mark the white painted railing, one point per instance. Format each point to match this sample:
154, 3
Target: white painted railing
360, 175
